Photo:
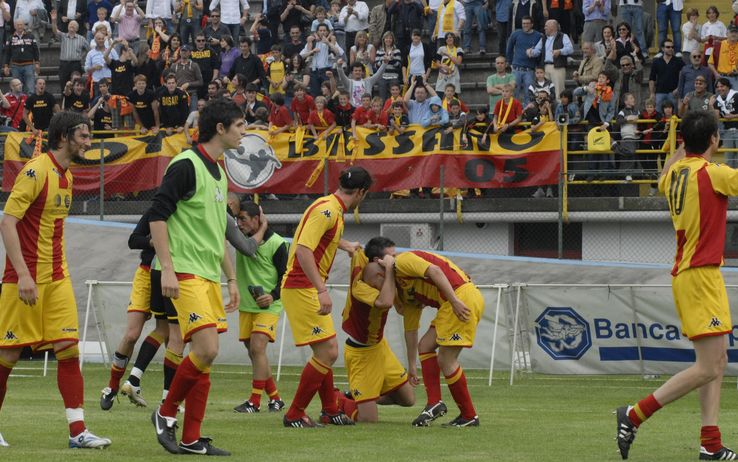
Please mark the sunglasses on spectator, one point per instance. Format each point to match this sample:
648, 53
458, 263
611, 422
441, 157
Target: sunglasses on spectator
668, 46
696, 56
626, 64
199, 40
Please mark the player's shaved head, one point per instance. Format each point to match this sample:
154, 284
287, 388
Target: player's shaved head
373, 275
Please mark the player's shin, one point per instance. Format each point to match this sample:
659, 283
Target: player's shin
71, 386
146, 353
431, 376
195, 405
172, 361
6, 367
186, 377
311, 380
460, 392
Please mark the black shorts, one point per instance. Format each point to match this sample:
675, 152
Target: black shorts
158, 301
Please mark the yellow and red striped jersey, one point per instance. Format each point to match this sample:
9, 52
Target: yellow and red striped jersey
363, 321
320, 230
415, 291
697, 192
40, 200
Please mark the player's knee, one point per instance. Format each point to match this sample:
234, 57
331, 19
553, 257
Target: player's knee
131, 336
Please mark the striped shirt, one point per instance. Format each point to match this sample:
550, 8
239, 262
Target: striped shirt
40, 200
394, 66
73, 48
697, 192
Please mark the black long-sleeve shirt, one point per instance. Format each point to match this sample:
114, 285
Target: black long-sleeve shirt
250, 67
279, 260
140, 238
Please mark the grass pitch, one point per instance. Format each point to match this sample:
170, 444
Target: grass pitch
540, 418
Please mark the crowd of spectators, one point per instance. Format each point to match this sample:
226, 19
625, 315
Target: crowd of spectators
320, 65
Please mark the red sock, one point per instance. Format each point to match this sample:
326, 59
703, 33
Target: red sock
271, 388
195, 405
257, 388
431, 376
310, 380
643, 410
116, 374
5, 369
710, 438
71, 386
328, 394
185, 379
351, 409
460, 392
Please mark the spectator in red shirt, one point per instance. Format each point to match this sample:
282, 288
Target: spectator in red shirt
362, 114
321, 120
395, 95
449, 94
279, 117
301, 105
11, 106
379, 117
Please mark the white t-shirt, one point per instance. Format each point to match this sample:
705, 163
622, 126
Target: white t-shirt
417, 63
689, 45
193, 118
716, 29
6, 8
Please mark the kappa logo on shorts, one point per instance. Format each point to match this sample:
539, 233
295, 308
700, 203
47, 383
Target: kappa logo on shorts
271, 328
9, 335
327, 213
456, 337
355, 392
69, 329
715, 322
194, 317
317, 330
31, 173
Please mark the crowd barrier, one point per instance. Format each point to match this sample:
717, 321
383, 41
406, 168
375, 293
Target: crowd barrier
539, 328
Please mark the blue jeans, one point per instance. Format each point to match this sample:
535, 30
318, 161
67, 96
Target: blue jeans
27, 75
523, 79
317, 77
666, 14
661, 97
430, 22
235, 30
188, 30
633, 15
475, 8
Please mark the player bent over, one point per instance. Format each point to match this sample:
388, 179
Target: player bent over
140, 310
697, 191
259, 283
306, 300
188, 224
427, 279
37, 300
375, 374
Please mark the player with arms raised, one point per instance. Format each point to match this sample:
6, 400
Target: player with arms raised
427, 279
306, 300
697, 191
37, 300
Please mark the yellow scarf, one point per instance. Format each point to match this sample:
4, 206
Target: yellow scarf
188, 8
155, 50
507, 112
447, 24
323, 123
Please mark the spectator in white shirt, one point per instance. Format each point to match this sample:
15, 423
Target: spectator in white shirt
354, 17
163, 9
233, 14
